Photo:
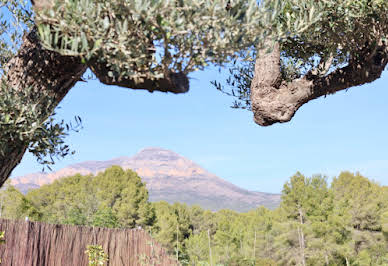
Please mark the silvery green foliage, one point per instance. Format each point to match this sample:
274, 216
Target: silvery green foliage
23, 122
241, 73
344, 29
145, 38
15, 17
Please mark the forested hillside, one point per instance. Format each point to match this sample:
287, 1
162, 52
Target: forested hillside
317, 223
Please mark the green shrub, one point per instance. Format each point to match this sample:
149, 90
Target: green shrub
96, 254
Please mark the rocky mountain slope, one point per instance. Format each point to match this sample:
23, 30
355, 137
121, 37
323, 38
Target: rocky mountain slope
169, 177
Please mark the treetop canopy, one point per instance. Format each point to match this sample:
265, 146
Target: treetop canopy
140, 40
147, 39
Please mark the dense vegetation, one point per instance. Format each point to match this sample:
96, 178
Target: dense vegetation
345, 223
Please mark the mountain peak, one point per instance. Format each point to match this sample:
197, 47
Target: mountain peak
168, 176
156, 154
155, 149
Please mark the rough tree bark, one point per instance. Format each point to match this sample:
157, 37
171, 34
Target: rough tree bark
276, 101
40, 69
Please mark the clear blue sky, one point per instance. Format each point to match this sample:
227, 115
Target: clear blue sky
346, 131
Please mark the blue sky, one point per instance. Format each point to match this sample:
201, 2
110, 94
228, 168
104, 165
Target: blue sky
345, 131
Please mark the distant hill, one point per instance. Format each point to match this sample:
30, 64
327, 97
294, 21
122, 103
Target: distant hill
169, 177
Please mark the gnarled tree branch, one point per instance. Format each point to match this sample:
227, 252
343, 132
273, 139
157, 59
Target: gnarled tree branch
274, 101
174, 82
